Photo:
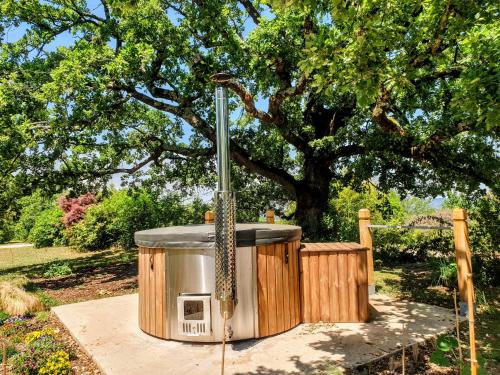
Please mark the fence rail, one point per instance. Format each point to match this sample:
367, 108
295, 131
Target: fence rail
422, 227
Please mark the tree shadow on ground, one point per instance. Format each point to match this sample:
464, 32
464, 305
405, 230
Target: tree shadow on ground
110, 265
417, 282
368, 347
302, 368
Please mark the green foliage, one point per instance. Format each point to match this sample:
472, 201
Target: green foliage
439, 359
57, 364
46, 300
30, 207
3, 317
36, 355
446, 273
402, 91
48, 229
118, 216
57, 269
484, 225
114, 221
6, 229
446, 343
42, 316
446, 355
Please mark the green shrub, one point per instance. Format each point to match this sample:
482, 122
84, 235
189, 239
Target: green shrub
57, 269
42, 316
172, 211
48, 229
30, 208
6, 230
114, 221
445, 273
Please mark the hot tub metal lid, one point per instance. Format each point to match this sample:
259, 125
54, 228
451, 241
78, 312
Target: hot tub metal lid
203, 235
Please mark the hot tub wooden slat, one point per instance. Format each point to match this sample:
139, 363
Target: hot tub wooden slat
343, 287
158, 264
286, 288
152, 291
305, 288
278, 288
352, 276
278, 266
296, 276
337, 289
271, 290
140, 276
333, 287
262, 290
292, 277
314, 281
323, 289
363, 286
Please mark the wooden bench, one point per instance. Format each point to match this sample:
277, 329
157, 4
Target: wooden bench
334, 282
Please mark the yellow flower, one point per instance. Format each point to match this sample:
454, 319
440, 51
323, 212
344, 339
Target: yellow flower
57, 364
35, 335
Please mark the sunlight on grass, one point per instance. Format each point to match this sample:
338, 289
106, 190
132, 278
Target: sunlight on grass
11, 258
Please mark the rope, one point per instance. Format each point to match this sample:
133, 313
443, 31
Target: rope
223, 343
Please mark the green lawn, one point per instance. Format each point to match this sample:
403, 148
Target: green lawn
99, 273
14, 258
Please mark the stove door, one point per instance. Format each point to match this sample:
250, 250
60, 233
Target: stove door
193, 315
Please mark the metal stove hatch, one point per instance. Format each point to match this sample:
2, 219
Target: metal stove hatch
193, 315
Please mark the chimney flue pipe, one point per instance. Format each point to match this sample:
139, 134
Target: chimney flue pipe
225, 239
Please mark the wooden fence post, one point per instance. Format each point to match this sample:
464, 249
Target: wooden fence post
270, 216
365, 239
462, 253
472, 332
209, 217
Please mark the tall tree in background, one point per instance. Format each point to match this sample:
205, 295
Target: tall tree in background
403, 91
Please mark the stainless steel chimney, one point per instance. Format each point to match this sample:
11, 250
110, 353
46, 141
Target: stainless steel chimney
225, 239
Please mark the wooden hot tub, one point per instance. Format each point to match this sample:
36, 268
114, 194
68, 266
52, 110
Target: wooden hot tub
177, 282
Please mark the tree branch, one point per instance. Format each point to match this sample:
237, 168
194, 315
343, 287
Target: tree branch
252, 11
379, 114
245, 96
240, 155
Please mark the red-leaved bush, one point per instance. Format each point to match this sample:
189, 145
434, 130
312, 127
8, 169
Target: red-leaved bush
74, 208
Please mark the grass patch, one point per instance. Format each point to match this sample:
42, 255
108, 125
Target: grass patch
13, 259
28, 262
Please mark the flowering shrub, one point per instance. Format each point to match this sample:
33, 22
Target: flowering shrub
41, 351
17, 318
57, 364
74, 208
35, 335
16, 325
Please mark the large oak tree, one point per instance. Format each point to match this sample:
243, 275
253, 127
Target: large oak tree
401, 91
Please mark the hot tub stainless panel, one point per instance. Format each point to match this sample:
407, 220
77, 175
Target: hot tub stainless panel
193, 271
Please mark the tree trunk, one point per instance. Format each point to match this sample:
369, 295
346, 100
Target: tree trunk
312, 198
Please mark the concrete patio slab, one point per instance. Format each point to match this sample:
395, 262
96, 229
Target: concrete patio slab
107, 329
